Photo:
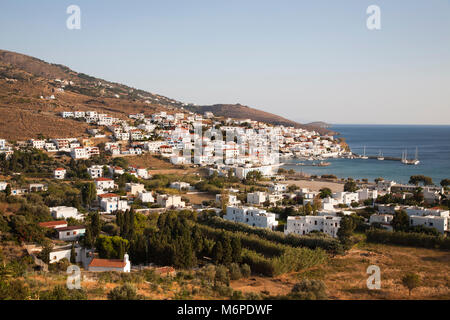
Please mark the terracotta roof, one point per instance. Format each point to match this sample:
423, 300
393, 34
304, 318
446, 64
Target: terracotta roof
71, 228
52, 224
107, 263
108, 195
103, 179
59, 169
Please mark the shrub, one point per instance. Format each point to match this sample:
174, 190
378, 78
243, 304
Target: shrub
408, 239
309, 290
235, 271
124, 292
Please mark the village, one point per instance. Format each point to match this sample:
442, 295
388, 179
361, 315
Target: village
239, 179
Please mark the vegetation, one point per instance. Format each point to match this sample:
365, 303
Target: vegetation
411, 281
408, 239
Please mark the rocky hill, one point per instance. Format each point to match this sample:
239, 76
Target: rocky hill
32, 92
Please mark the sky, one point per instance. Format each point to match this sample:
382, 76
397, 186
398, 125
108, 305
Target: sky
304, 60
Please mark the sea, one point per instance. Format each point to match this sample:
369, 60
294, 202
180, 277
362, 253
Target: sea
432, 143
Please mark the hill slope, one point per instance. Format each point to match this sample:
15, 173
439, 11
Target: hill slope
24, 80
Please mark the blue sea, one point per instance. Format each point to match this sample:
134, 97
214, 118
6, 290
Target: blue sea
433, 143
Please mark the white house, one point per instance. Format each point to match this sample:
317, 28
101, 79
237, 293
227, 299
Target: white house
302, 225
439, 223
134, 188
110, 202
71, 233
79, 153
60, 173
170, 201
143, 173
387, 208
346, 197
251, 216
3, 185
95, 171
101, 265
145, 196
82, 255
232, 200
104, 183
179, 185
277, 187
256, 198
63, 212
365, 194
383, 219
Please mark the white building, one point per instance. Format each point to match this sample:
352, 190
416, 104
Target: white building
170, 201
146, 196
346, 197
134, 188
277, 187
95, 171
110, 264
439, 223
251, 216
104, 183
63, 212
3, 185
60, 173
110, 202
302, 225
82, 255
79, 153
70, 233
179, 185
256, 198
365, 194
383, 219
232, 200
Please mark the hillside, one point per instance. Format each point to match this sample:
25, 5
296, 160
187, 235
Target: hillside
27, 83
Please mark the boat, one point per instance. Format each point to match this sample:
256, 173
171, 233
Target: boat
364, 154
413, 162
380, 156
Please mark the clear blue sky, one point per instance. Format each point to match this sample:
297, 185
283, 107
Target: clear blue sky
305, 60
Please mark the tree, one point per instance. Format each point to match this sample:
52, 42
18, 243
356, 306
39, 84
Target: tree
95, 224
345, 231
88, 193
426, 181
309, 290
73, 255
400, 222
8, 190
445, 183
378, 180
217, 252
325, 193
237, 249
253, 176
350, 186
411, 281
124, 292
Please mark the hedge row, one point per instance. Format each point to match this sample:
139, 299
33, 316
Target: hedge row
266, 257
408, 239
331, 245
293, 259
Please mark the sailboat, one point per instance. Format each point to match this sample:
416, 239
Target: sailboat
414, 161
364, 154
380, 156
